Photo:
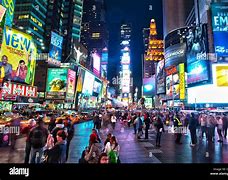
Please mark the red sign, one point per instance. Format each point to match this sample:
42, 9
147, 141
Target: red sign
171, 70
19, 90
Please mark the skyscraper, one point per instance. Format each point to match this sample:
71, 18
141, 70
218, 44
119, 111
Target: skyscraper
30, 17
94, 34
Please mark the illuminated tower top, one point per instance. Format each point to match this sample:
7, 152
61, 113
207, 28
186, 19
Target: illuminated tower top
153, 29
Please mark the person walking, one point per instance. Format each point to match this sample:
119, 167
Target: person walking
192, 127
147, 123
177, 125
219, 128
37, 139
203, 123
113, 121
26, 130
225, 124
159, 128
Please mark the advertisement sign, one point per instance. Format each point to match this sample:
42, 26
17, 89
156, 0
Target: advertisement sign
220, 28
81, 74
148, 102
56, 80
19, 90
18, 57
172, 86
97, 87
197, 71
71, 83
182, 81
160, 77
55, 52
197, 43
104, 56
88, 82
96, 63
2, 12
206, 93
175, 55
222, 75
10, 6
5, 106
149, 89
80, 54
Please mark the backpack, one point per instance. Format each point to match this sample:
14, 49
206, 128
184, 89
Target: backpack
38, 138
112, 157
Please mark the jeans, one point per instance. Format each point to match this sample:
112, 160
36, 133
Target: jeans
27, 152
225, 130
220, 134
146, 132
36, 153
113, 125
158, 138
193, 136
135, 129
203, 131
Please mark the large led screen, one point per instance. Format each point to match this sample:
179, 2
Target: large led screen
160, 77
96, 63
10, 6
149, 89
220, 28
210, 93
88, 83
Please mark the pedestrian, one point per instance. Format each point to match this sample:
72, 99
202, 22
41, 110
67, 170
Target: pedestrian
147, 123
26, 130
140, 126
160, 128
225, 124
135, 123
37, 139
192, 127
57, 154
219, 128
113, 121
103, 159
108, 139
177, 126
203, 122
112, 148
59, 126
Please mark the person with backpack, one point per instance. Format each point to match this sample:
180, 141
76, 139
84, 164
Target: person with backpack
26, 130
38, 138
57, 154
94, 151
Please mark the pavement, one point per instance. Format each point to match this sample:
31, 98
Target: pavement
133, 150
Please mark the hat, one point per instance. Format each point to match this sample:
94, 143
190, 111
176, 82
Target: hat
32, 122
93, 138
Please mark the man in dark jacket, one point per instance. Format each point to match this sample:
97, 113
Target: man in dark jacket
192, 127
38, 138
147, 123
225, 124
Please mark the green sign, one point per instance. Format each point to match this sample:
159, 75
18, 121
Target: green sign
10, 6
56, 80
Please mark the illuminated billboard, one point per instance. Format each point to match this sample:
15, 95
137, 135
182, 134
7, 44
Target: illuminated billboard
80, 79
175, 55
55, 52
211, 93
80, 54
182, 80
96, 63
220, 28
18, 56
104, 56
196, 43
70, 83
172, 86
149, 89
88, 83
197, 71
10, 6
125, 59
56, 80
160, 77
222, 75
2, 12
97, 86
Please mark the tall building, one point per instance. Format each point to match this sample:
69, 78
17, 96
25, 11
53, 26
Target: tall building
30, 16
125, 73
154, 51
64, 17
175, 13
94, 34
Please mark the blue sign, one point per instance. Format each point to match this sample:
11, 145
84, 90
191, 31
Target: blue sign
55, 52
220, 28
149, 89
197, 72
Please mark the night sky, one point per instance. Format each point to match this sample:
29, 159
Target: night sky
138, 13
